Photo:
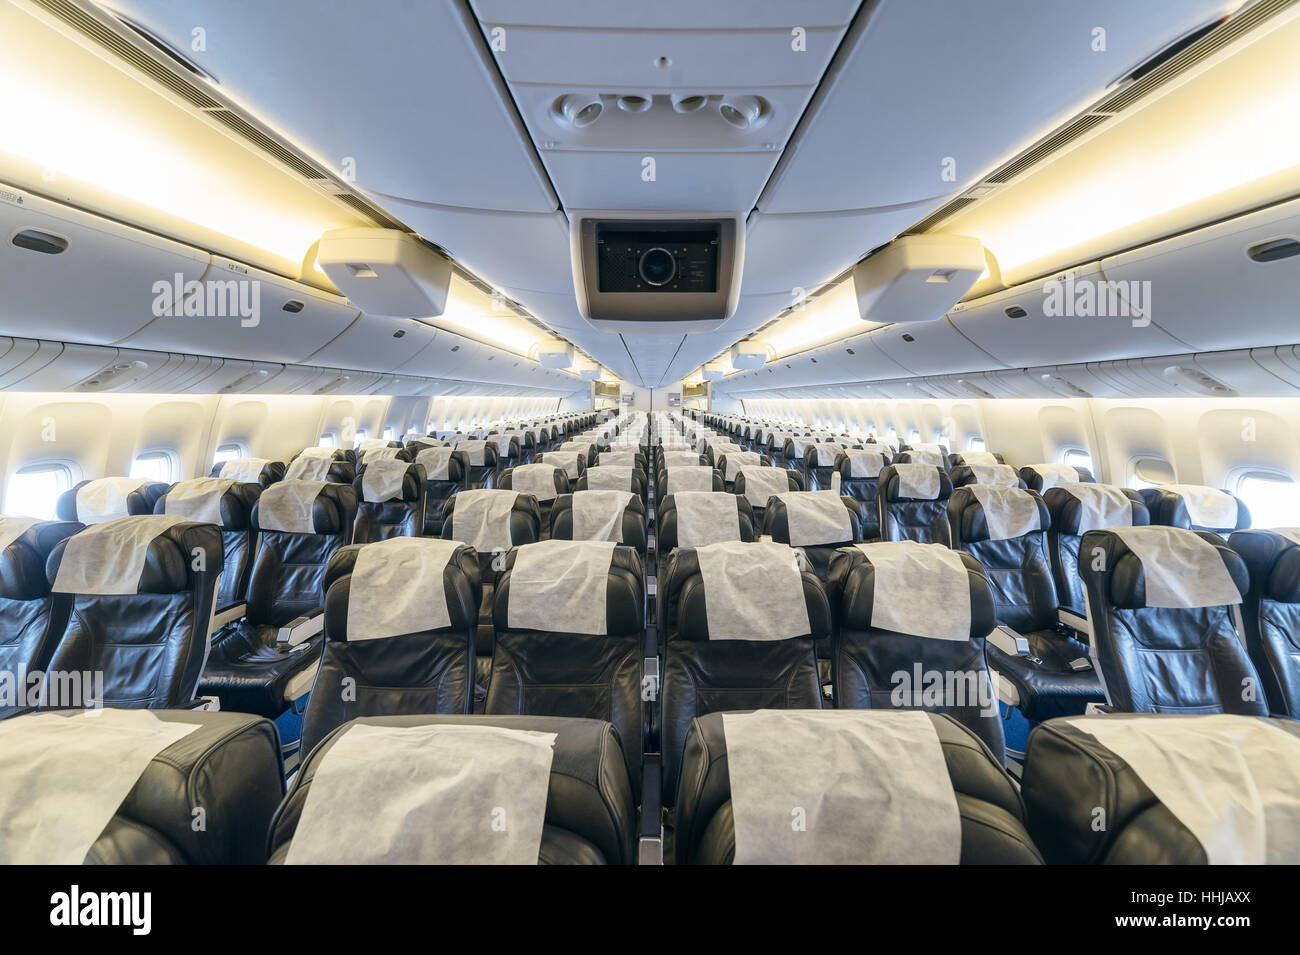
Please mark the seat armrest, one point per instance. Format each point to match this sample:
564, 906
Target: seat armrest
208, 704
227, 615
1074, 622
301, 628
650, 824
1099, 709
1008, 641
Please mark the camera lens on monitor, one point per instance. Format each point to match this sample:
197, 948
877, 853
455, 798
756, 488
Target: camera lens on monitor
657, 266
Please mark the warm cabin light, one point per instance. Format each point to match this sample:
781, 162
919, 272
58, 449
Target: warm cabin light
475, 314
1222, 142
830, 316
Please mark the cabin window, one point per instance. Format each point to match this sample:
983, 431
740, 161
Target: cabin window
1076, 458
1271, 497
913, 436
227, 452
154, 466
328, 440
975, 443
34, 490
389, 433
1150, 472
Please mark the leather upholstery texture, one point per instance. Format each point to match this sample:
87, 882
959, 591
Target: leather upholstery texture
903, 518
399, 517
1271, 613
634, 523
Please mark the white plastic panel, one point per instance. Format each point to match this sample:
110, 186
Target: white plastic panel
1039, 339
397, 88
935, 348
714, 15
278, 335
1206, 289
48, 366
376, 343
99, 288
989, 79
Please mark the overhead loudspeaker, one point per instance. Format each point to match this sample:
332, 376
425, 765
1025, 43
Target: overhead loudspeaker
751, 353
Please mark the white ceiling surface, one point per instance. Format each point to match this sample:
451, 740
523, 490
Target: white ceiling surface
409, 92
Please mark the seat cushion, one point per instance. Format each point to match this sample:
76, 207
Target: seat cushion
1048, 686
250, 673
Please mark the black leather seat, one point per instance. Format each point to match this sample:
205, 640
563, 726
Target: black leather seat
545, 482
669, 529
573, 463
375, 672
818, 548
550, 665
249, 669
731, 463
630, 524
934, 459
1055, 676
705, 674
390, 500
1173, 506
228, 768
481, 467
611, 477
906, 517
25, 640
106, 499
322, 464
877, 664
1087, 805
991, 812
860, 479
1272, 614
262, 471
590, 808
685, 477
1166, 659
998, 475
749, 486
819, 463
1072, 516
229, 505
510, 450
966, 458
131, 600
445, 471
1043, 477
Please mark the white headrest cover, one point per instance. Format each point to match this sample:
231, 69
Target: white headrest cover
104, 499
617, 459
247, 470
108, 558
12, 528
397, 587
921, 589
436, 463
928, 458
687, 477
561, 586
365, 444
1179, 568
1008, 511
598, 515
197, 500
1206, 506
317, 452
1055, 475
919, 482
753, 591
567, 461
979, 457
381, 479
1001, 475
475, 450
816, 517
309, 467
873, 786
1101, 506
865, 464
385, 453
287, 506
481, 518
502, 442
706, 517
609, 478
827, 451
535, 479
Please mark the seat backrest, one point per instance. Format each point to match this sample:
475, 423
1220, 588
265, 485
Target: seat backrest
492, 520
545, 482
757, 484
1076, 509
819, 463
817, 522
573, 463
322, 464
913, 502
390, 500
612, 477
445, 473
300, 525
400, 617
131, 600
1001, 475
731, 463
934, 459
1043, 477
590, 814
912, 620
107, 499
482, 462
1005, 529
986, 458
261, 471
569, 618
739, 625
687, 477
1272, 613
1195, 507
603, 516
25, 640
991, 815
228, 504
859, 471
1164, 606
510, 449
697, 518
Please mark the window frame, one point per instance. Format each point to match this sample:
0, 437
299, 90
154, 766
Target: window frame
1138, 483
1075, 450
68, 481
1263, 475
156, 454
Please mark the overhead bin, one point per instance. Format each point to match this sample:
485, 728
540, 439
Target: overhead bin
1230, 285
931, 348
91, 279
292, 320
376, 343
1015, 327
